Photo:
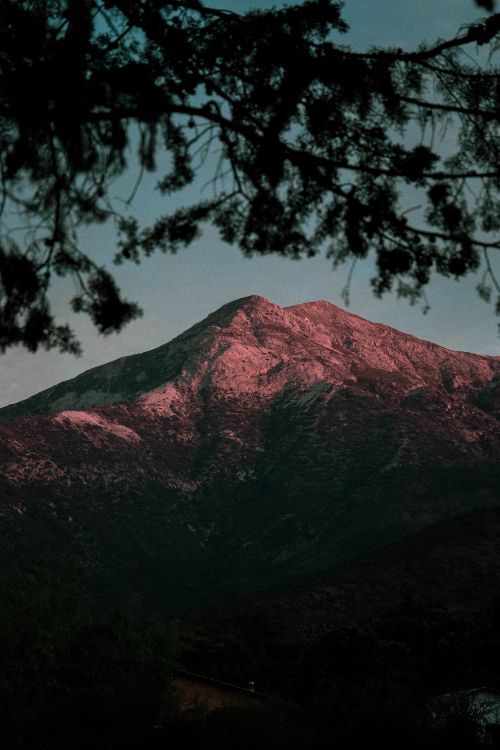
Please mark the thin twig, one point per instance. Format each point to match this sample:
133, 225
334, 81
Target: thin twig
491, 273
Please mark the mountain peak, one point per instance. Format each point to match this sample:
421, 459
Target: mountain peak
254, 302
253, 345
320, 304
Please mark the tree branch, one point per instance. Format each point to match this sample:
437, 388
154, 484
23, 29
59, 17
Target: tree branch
453, 109
293, 154
481, 33
453, 238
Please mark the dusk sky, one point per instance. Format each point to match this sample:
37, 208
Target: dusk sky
177, 291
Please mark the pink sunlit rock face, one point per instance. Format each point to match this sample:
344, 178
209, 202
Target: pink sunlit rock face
263, 444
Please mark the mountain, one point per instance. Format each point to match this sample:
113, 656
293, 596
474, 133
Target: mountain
262, 445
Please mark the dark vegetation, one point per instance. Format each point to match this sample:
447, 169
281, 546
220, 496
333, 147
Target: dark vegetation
373, 680
73, 679
417, 642
309, 146
70, 678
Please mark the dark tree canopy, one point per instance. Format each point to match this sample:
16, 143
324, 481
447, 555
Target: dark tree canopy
314, 146
71, 678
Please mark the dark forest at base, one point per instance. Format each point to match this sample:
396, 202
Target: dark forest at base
75, 679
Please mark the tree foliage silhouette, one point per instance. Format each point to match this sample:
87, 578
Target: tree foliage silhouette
315, 146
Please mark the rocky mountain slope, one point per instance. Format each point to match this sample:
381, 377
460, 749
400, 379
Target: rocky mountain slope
261, 445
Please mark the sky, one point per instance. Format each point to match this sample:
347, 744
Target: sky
176, 291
